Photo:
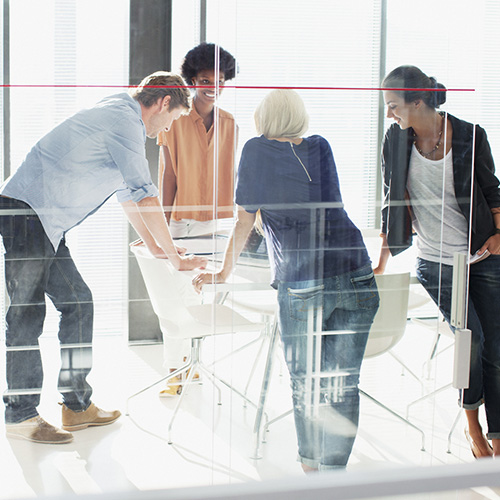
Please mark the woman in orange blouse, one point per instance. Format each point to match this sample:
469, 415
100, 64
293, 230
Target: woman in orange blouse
196, 176
193, 171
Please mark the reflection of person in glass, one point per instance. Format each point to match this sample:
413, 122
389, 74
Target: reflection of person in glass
320, 267
432, 163
65, 178
187, 177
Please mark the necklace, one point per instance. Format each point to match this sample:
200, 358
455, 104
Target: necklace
435, 148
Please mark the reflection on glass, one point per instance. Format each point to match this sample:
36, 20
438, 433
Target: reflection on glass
340, 47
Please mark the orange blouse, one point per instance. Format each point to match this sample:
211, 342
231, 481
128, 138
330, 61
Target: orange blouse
191, 149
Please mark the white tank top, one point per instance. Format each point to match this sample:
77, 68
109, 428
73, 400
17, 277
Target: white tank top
437, 219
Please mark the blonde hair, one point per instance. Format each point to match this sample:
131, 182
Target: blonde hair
160, 84
281, 114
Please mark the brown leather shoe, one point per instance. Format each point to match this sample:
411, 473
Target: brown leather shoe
78, 420
36, 429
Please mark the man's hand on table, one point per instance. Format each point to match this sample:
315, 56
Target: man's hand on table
158, 253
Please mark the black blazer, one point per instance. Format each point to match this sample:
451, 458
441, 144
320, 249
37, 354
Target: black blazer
396, 218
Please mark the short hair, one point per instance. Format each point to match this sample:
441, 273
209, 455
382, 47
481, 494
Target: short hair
281, 114
203, 57
411, 77
160, 84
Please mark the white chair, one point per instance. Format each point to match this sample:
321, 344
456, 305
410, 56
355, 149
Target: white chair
390, 321
436, 324
265, 305
389, 326
182, 314
262, 301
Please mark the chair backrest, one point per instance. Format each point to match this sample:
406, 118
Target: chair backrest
170, 291
179, 308
390, 321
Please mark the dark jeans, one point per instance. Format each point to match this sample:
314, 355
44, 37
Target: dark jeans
324, 327
34, 270
483, 319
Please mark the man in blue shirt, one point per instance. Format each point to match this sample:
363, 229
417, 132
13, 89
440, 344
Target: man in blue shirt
66, 177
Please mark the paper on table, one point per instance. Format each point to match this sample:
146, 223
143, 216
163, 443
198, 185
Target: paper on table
476, 257
202, 246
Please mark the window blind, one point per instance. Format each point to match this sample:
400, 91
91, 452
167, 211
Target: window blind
65, 47
459, 44
309, 44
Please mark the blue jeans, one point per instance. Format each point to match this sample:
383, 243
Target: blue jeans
34, 270
483, 319
324, 328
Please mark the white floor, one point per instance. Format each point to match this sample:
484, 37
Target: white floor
213, 444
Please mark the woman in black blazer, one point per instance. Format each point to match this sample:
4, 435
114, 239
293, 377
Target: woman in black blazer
439, 184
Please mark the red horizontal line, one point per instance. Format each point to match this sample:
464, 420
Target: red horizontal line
254, 87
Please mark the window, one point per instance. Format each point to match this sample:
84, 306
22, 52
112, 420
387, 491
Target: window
457, 44
64, 48
275, 46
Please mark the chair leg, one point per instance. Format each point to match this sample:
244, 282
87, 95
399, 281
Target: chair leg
195, 363
406, 421
427, 365
452, 430
273, 341
216, 378
239, 349
220, 299
426, 396
184, 368
405, 368
274, 420
263, 337
203, 368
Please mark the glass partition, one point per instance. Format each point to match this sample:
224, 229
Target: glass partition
309, 158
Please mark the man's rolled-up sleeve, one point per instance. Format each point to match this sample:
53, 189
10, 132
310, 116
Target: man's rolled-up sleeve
124, 193
126, 145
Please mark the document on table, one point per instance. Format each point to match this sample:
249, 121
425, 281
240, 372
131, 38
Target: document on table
202, 246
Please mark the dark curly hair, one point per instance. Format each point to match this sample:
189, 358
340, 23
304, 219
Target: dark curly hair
203, 57
411, 77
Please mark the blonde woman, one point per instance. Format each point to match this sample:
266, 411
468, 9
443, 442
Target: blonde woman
319, 266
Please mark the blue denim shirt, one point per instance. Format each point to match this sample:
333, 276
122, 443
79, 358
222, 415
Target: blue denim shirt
76, 167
